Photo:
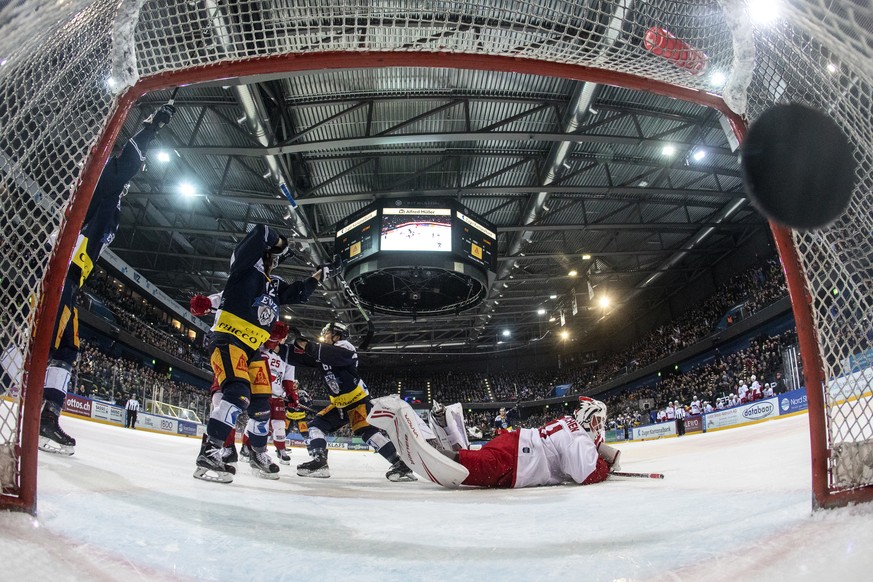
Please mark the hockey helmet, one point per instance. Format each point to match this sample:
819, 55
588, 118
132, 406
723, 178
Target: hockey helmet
591, 414
335, 328
753, 378
304, 398
277, 335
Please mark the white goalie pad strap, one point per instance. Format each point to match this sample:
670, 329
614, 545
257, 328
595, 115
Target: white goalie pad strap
402, 424
456, 428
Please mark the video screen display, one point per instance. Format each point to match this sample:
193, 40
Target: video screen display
476, 241
358, 239
416, 229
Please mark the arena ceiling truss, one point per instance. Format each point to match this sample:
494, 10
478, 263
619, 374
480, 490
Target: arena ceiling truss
638, 194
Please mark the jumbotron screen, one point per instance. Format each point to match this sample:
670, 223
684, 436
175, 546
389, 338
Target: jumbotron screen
416, 229
443, 227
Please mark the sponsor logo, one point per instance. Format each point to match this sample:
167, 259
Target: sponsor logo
166, 425
785, 405
757, 411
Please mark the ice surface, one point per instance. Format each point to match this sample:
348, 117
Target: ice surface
735, 506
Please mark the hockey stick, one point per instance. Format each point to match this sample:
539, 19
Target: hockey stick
637, 475
173, 96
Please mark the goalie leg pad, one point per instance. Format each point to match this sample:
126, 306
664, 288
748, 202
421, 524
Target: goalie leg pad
397, 418
456, 427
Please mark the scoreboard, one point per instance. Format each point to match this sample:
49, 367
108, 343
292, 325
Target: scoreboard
475, 240
431, 226
357, 237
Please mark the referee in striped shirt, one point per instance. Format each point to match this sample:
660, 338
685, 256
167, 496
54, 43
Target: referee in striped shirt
131, 409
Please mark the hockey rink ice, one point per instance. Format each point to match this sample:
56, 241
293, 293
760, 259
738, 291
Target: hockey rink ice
735, 505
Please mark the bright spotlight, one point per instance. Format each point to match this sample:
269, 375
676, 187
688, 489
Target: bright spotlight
698, 155
603, 301
565, 334
187, 189
586, 257
764, 11
541, 311
506, 333
832, 68
163, 156
668, 150
573, 273
717, 79
553, 296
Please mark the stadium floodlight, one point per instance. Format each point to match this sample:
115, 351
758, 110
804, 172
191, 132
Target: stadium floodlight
764, 12
717, 79
541, 311
187, 189
603, 301
698, 155
668, 150
506, 333
163, 156
553, 296
573, 273
565, 334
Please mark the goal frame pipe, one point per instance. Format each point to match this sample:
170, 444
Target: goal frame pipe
291, 63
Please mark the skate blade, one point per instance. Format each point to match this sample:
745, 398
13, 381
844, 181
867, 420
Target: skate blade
402, 478
318, 473
284, 462
264, 475
48, 445
212, 476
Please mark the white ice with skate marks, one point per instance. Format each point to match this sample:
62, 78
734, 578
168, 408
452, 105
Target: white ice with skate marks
735, 505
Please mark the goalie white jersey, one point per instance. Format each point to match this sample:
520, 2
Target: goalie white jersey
557, 452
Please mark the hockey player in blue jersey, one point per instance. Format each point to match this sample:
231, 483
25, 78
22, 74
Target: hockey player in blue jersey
98, 231
249, 307
337, 359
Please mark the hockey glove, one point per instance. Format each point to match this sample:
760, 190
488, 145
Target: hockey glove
332, 269
291, 393
161, 117
610, 455
200, 305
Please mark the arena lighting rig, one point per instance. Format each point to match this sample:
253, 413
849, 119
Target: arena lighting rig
417, 257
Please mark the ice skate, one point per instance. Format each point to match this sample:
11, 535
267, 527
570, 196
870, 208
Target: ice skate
229, 456
400, 472
245, 451
284, 457
263, 465
210, 466
438, 411
52, 438
317, 467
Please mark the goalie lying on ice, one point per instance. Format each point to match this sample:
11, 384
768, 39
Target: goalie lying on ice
569, 448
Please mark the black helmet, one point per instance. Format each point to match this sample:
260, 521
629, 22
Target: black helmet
335, 328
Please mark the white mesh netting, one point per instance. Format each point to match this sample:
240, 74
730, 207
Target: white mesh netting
56, 58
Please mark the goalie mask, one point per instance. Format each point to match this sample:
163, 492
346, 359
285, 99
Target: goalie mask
335, 328
304, 398
591, 415
277, 335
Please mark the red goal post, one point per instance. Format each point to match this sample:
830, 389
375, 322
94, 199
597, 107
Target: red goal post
59, 120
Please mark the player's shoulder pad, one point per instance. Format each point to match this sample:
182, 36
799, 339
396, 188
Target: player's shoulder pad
346, 345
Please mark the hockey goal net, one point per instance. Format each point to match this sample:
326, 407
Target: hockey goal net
60, 115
